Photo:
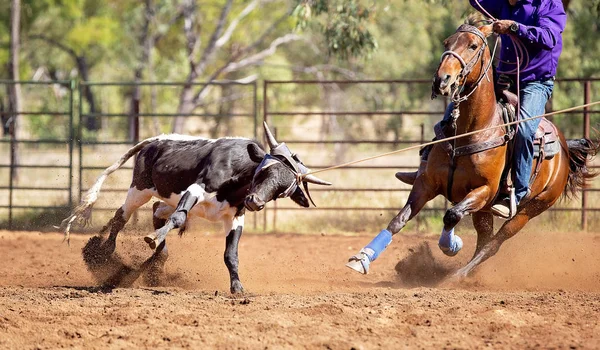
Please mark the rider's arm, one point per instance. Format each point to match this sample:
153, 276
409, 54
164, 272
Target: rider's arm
493, 7
551, 23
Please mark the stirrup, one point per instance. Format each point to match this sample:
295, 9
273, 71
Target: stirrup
506, 210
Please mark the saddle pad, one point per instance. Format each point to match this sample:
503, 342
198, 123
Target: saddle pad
546, 134
547, 130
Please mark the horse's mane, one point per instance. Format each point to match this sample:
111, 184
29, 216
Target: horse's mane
475, 19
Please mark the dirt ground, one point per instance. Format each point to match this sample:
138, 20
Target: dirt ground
541, 290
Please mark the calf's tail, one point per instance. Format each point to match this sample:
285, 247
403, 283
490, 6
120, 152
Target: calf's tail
81, 214
579, 174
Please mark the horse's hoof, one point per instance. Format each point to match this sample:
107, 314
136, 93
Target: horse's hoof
459, 275
151, 240
359, 263
453, 248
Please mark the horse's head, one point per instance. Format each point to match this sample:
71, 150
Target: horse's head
278, 175
463, 50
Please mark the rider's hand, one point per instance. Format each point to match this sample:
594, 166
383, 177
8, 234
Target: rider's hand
502, 26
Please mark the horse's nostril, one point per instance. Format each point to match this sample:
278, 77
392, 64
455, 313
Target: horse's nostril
446, 78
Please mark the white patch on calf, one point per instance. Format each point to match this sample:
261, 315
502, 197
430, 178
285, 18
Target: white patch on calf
230, 224
196, 191
207, 207
135, 199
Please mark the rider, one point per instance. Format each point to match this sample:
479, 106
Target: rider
539, 26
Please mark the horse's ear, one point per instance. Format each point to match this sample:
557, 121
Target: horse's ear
486, 30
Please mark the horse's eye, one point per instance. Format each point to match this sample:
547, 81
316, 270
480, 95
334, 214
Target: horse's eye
473, 47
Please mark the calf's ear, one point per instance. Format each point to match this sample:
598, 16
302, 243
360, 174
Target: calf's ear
299, 198
255, 152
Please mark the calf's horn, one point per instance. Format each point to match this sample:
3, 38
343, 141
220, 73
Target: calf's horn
315, 180
270, 138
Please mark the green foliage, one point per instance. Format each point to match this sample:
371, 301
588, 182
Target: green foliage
345, 27
96, 31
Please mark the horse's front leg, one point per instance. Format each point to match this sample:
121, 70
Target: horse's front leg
420, 194
449, 243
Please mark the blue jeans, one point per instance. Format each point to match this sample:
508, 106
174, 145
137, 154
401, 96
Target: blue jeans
534, 96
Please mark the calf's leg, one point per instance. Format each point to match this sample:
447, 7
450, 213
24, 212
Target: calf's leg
234, 228
192, 195
97, 252
155, 266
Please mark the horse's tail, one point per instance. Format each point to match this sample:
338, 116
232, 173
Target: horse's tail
82, 212
579, 152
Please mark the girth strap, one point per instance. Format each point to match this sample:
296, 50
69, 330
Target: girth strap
472, 148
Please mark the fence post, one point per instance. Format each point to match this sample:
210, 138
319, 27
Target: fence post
418, 217
265, 114
13, 165
587, 87
255, 106
80, 141
71, 137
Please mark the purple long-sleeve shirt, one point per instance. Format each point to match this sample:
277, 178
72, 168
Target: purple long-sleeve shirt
541, 23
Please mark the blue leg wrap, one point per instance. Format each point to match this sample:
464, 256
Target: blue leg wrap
449, 243
378, 244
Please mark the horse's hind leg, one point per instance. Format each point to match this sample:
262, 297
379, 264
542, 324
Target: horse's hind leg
473, 202
508, 230
420, 194
484, 225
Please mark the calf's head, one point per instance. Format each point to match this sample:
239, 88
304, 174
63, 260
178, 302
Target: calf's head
278, 175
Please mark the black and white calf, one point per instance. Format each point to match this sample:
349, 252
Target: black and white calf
213, 179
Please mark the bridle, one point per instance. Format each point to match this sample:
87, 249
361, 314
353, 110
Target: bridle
467, 67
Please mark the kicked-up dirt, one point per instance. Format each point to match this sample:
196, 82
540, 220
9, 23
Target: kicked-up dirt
541, 290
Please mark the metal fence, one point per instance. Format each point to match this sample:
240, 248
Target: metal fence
61, 116
85, 144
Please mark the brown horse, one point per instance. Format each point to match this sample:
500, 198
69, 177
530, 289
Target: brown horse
472, 180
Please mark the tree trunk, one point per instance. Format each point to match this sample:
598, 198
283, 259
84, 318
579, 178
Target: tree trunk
91, 122
186, 106
14, 94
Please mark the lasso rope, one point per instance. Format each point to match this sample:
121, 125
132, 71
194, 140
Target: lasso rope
450, 138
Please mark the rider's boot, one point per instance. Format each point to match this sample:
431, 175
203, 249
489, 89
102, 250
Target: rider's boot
410, 177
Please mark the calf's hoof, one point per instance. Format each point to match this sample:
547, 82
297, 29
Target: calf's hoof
236, 287
151, 239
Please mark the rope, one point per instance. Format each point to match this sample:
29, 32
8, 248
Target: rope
449, 138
